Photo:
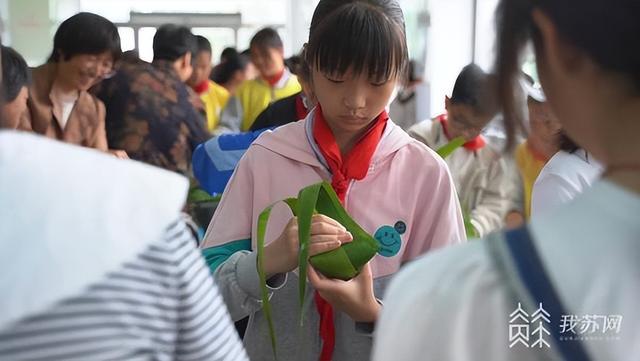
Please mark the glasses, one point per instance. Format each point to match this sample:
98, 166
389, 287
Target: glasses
463, 123
95, 63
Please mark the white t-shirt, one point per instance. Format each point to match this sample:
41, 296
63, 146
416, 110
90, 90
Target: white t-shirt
64, 103
67, 107
454, 304
564, 177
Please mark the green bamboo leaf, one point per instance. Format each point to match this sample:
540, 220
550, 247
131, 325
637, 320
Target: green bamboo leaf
342, 263
469, 228
263, 219
358, 252
450, 147
307, 199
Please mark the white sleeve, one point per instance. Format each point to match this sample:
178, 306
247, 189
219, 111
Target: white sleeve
549, 192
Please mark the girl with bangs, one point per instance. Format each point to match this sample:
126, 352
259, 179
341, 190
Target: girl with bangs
392, 185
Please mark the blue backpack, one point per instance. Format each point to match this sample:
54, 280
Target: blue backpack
215, 160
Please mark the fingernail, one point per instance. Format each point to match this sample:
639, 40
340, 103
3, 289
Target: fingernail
347, 236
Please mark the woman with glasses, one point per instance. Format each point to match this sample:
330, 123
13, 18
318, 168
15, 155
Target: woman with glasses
85, 48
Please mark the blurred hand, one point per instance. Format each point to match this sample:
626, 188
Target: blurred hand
514, 220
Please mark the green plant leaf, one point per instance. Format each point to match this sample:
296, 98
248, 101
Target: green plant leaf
343, 263
263, 219
307, 199
450, 147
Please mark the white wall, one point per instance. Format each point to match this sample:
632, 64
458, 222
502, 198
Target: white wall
299, 20
450, 43
449, 47
486, 34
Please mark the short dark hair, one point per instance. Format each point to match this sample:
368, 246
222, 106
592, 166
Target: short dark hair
223, 72
172, 42
15, 74
228, 53
266, 38
476, 89
366, 35
203, 44
293, 63
604, 30
85, 33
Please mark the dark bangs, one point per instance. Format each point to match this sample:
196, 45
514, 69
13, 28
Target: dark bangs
360, 37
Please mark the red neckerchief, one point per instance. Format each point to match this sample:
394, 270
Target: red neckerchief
301, 110
273, 80
202, 87
353, 167
473, 145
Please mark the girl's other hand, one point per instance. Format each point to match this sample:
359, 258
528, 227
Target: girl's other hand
354, 297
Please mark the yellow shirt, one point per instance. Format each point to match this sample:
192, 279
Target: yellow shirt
215, 99
529, 167
256, 95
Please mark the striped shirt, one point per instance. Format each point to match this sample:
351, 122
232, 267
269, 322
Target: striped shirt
162, 305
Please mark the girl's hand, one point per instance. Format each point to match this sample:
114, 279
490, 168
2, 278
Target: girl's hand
281, 255
354, 297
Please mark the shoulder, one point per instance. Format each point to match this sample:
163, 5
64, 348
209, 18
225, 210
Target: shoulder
218, 90
249, 86
414, 154
41, 81
90, 102
467, 266
425, 131
289, 140
447, 299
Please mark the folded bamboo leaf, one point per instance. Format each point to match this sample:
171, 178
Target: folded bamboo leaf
342, 263
450, 147
358, 252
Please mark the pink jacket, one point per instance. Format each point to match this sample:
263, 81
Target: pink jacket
407, 200
406, 182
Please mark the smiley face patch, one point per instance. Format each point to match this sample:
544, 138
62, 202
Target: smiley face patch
389, 238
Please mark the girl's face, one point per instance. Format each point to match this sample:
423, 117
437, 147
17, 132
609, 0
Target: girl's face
542, 121
350, 102
269, 62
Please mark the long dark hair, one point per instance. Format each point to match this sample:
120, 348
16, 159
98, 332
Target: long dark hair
364, 35
605, 30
